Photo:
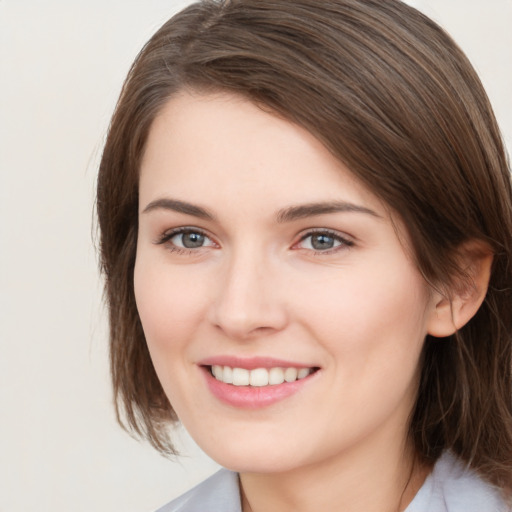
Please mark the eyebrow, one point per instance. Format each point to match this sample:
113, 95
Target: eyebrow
180, 207
289, 214
310, 210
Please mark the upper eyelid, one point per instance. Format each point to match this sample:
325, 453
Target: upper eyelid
332, 232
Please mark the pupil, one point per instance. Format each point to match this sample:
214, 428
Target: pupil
320, 242
192, 240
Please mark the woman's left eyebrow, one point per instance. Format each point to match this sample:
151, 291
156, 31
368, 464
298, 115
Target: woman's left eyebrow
309, 210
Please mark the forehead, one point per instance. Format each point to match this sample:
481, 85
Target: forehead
212, 146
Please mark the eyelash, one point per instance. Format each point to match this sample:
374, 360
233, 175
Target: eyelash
345, 243
165, 238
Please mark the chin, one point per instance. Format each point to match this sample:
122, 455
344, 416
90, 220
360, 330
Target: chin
251, 462
256, 455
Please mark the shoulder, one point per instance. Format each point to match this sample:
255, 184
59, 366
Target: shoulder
220, 492
452, 487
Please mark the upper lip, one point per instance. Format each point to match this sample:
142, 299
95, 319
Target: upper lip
251, 363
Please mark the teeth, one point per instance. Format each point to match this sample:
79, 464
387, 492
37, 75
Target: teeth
259, 377
290, 374
275, 376
303, 372
227, 375
217, 372
241, 377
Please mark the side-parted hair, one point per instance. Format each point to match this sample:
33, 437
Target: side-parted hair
389, 93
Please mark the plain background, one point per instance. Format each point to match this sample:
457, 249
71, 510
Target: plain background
62, 64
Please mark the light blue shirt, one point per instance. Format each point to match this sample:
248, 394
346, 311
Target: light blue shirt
449, 488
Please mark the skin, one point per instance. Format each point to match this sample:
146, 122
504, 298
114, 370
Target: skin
358, 311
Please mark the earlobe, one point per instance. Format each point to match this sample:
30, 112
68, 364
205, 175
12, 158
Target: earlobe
451, 311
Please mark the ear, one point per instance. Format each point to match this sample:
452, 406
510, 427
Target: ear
452, 310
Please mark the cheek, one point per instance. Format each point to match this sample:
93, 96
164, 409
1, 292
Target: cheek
378, 312
170, 303
171, 306
372, 326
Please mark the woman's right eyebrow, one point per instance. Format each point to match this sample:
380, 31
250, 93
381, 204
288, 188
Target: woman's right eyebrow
180, 207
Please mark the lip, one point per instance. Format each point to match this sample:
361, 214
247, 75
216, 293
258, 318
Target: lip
249, 397
251, 363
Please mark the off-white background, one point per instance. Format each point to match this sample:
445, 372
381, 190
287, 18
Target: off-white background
62, 63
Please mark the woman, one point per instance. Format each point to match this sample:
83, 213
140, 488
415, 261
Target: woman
305, 215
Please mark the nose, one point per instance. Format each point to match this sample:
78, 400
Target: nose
248, 300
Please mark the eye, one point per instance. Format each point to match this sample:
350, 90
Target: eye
323, 241
189, 240
185, 239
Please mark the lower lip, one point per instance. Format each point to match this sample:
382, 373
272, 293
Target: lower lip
253, 397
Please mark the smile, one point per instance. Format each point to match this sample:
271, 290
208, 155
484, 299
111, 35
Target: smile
258, 377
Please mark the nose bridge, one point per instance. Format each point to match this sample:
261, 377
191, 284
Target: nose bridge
247, 299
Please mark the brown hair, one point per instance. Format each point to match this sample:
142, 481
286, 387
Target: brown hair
394, 98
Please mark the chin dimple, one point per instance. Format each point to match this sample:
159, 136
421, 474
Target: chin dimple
258, 377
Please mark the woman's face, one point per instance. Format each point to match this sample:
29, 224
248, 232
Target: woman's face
261, 258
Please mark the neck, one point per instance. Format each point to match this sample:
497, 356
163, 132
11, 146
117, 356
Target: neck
382, 481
